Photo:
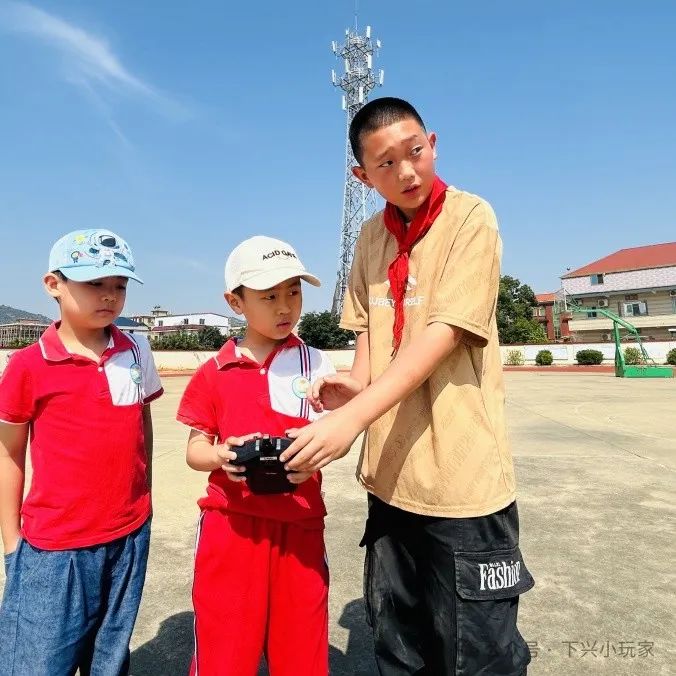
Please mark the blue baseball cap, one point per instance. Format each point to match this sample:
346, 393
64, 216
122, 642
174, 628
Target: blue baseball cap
85, 255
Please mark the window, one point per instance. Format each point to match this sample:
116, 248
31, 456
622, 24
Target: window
186, 321
202, 321
635, 309
590, 312
673, 304
596, 279
160, 322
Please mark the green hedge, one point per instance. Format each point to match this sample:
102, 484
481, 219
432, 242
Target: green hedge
589, 357
544, 358
632, 356
514, 358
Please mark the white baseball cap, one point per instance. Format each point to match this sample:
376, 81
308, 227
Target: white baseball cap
263, 262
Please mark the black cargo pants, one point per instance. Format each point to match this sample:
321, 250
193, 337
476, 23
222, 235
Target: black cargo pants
442, 594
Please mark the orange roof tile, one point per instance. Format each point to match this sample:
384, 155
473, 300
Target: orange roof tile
636, 258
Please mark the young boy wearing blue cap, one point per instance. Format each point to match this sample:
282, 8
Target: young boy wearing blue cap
76, 547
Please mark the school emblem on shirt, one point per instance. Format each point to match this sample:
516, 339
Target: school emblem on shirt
300, 385
136, 373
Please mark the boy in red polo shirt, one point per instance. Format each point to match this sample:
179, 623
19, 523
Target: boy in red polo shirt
76, 547
261, 578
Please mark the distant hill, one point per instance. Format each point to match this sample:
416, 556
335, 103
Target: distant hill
11, 314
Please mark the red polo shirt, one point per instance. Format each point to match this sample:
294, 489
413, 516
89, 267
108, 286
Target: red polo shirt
232, 395
86, 438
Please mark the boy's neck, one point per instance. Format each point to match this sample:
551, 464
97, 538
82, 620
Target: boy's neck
407, 217
84, 341
257, 346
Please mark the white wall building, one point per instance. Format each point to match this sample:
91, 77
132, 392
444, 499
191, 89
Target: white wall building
193, 322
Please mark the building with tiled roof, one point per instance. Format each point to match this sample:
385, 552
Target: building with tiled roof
556, 327
128, 325
639, 284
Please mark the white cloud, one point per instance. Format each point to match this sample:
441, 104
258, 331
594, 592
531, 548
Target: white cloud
89, 61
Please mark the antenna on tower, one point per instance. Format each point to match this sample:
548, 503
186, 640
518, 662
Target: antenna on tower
359, 202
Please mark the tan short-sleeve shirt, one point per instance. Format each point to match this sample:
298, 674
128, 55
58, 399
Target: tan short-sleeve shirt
443, 450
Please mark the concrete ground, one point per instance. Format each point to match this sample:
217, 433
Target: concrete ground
596, 462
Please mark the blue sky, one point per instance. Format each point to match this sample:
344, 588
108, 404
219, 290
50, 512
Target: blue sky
186, 127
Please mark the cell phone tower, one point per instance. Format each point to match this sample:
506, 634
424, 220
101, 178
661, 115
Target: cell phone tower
359, 202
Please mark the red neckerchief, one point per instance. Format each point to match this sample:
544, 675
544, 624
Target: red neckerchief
406, 239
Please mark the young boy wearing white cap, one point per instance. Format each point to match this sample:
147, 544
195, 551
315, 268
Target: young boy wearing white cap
261, 578
76, 546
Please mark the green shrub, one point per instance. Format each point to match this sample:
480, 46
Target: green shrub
671, 357
589, 357
632, 356
180, 340
19, 343
514, 358
544, 358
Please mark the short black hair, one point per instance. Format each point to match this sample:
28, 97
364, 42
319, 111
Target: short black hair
239, 291
377, 114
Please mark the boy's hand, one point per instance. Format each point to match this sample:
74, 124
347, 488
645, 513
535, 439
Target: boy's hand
298, 477
226, 455
332, 392
320, 443
10, 546
11, 543
13, 440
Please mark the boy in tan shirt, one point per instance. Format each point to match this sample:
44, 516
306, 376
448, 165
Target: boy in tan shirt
443, 570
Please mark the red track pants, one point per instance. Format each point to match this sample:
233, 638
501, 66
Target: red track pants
261, 586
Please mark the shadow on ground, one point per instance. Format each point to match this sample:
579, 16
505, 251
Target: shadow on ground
170, 651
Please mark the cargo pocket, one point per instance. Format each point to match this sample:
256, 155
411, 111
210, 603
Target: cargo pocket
488, 586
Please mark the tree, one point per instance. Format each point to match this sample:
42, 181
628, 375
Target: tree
181, 340
515, 313
19, 343
523, 330
210, 338
321, 330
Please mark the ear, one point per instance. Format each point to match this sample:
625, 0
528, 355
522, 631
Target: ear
234, 301
52, 285
361, 175
432, 138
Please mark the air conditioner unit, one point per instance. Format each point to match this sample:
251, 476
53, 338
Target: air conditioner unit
606, 336
603, 302
672, 292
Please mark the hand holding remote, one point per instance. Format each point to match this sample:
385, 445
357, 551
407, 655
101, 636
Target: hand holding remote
227, 455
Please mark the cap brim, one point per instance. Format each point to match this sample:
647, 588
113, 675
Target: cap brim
266, 280
89, 273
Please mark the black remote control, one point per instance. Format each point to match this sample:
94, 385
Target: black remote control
264, 473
